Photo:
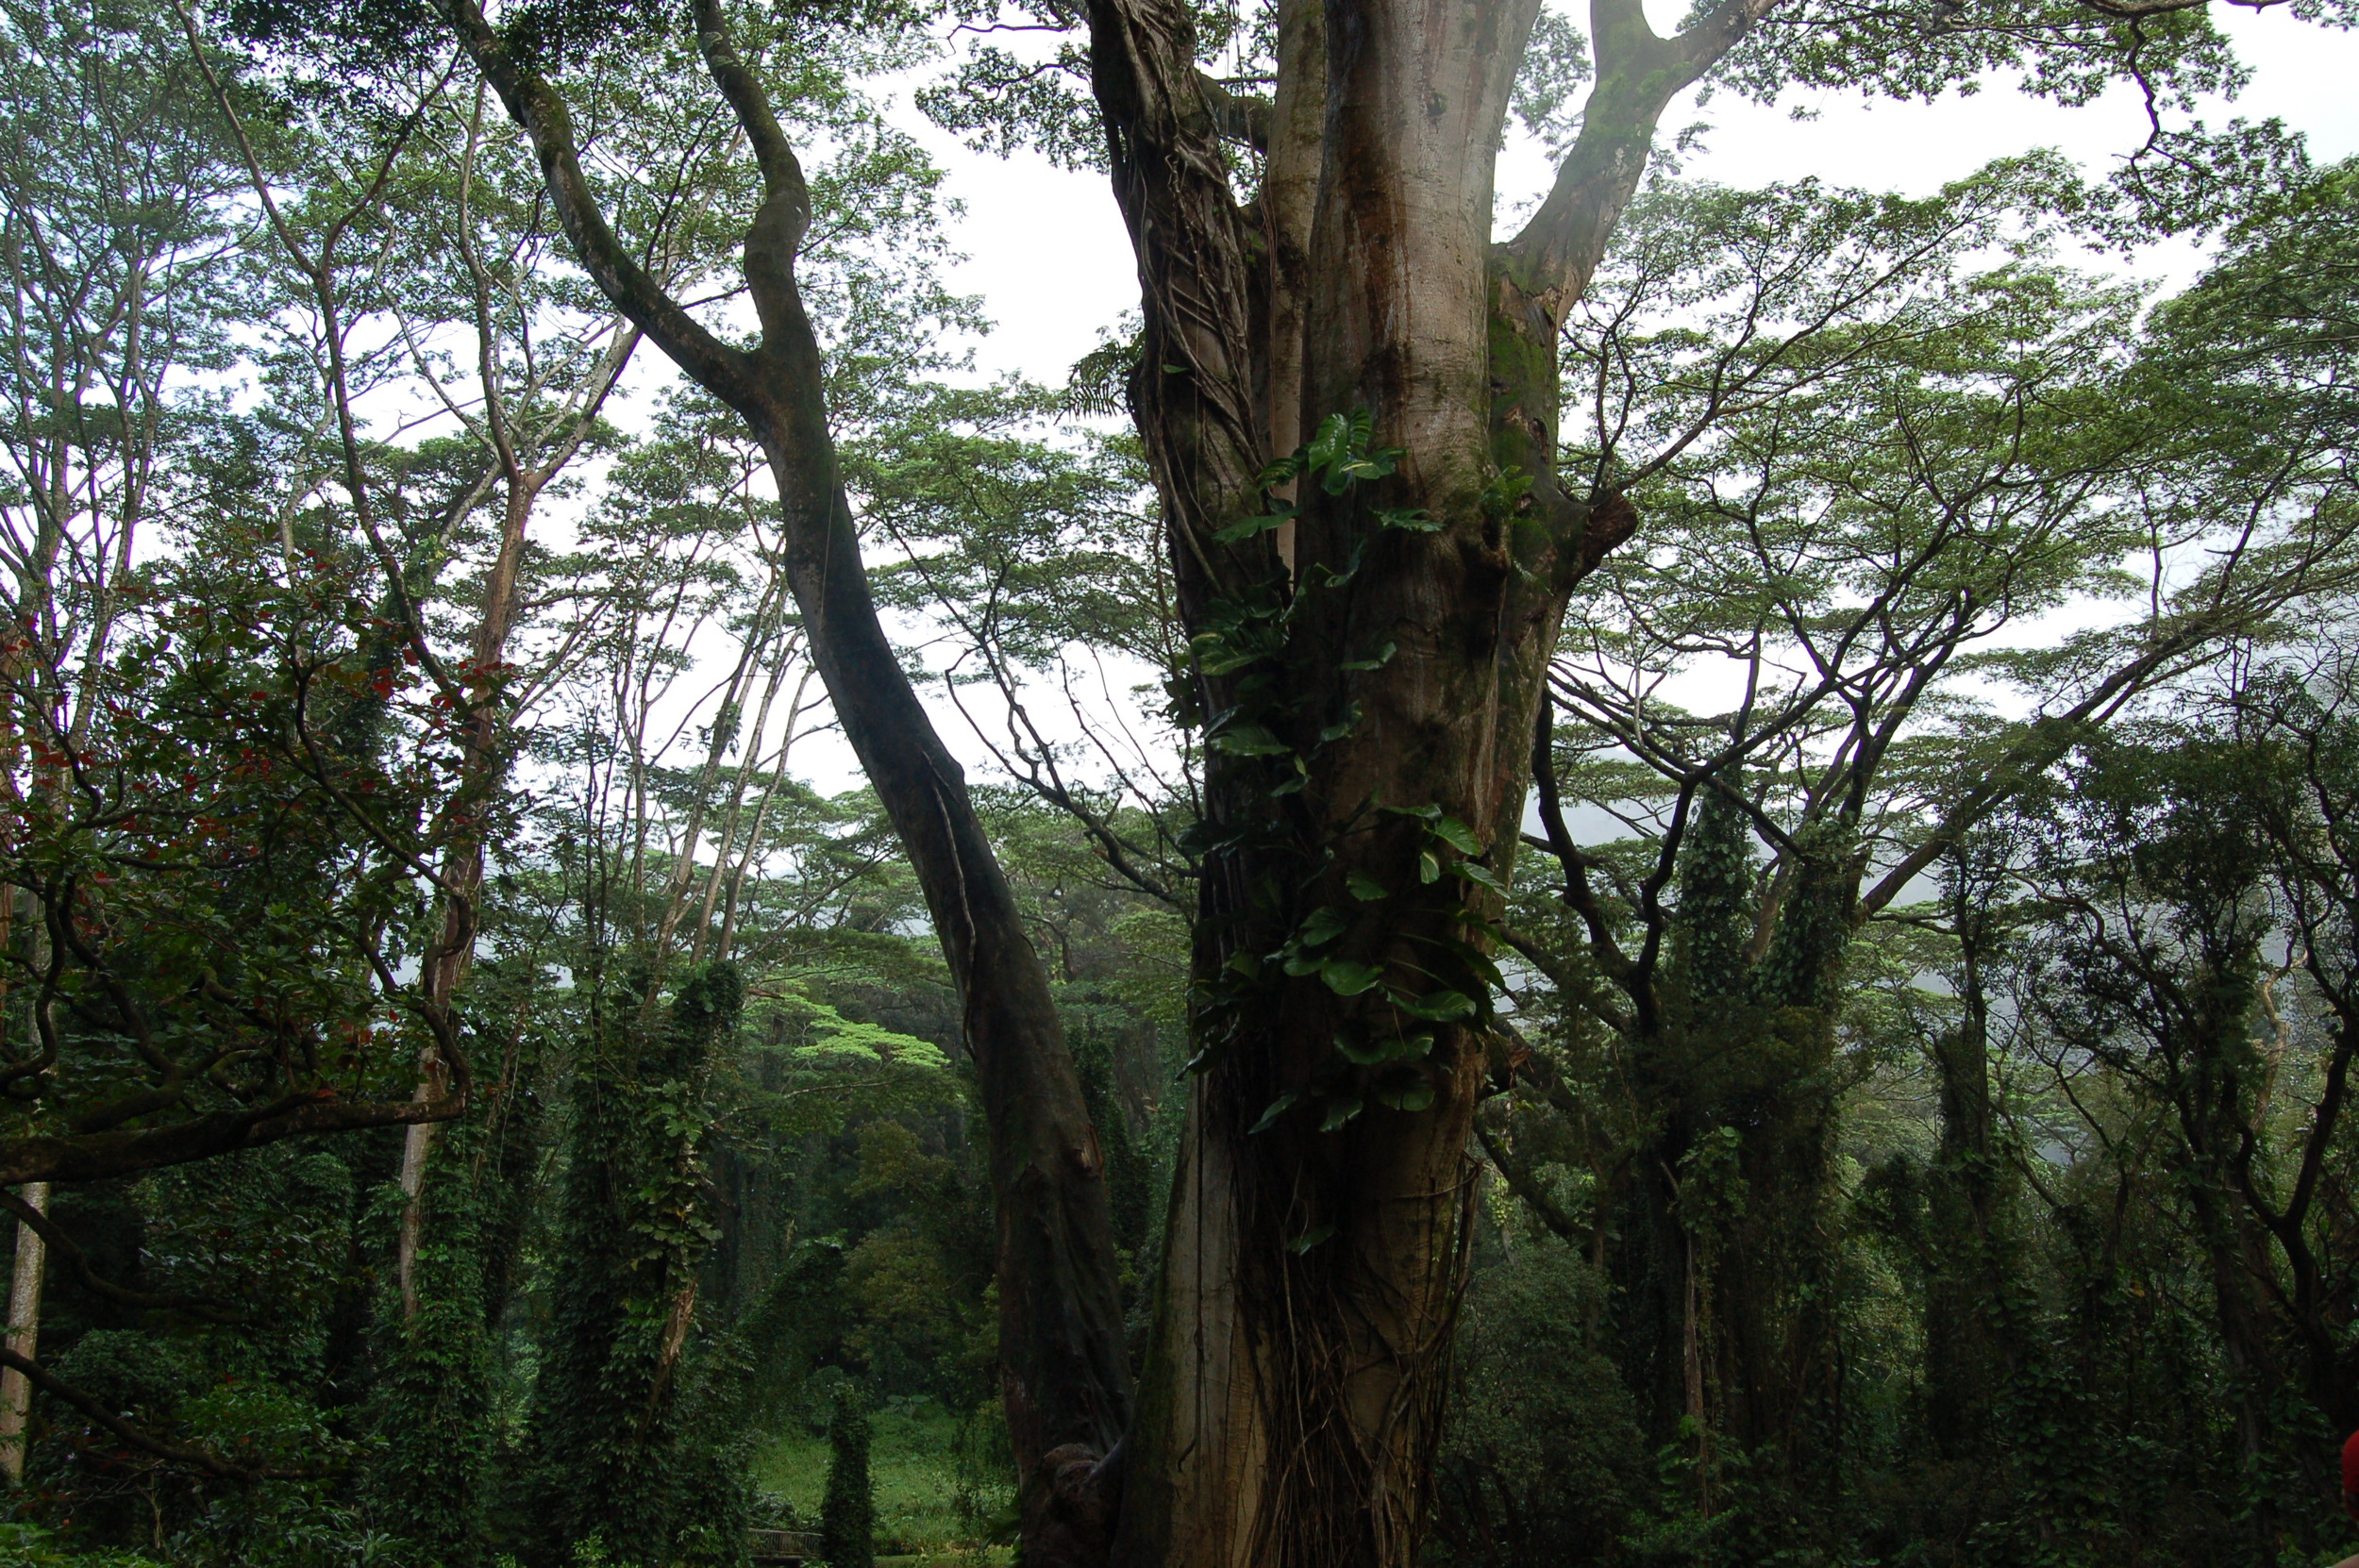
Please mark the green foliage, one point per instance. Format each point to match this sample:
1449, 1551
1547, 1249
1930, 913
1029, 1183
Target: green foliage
1542, 1461
847, 1517
35, 1548
605, 1433
429, 1481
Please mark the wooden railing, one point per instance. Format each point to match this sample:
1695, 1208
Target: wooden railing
782, 1546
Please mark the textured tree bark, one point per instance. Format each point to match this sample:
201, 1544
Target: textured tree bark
1292, 1397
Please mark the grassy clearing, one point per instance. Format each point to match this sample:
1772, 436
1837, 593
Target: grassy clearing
932, 1510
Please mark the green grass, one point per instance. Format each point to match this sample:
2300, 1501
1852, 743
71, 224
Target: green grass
928, 1513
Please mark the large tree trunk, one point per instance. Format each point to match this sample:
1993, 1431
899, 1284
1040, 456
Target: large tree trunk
1367, 686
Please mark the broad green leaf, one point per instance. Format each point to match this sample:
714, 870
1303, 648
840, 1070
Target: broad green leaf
1278, 1108
1441, 1006
1474, 871
1249, 741
1251, 525
1346, 977
1327, 444
1324, 924
1458, 836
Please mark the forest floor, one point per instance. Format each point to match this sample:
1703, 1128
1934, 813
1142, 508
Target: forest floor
931, 1509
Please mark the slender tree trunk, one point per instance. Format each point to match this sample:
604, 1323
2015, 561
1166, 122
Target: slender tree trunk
483, 765
1968, 1357
23, 1332
1063, 1371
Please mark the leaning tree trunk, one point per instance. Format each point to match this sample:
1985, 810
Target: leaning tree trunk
1064, 1378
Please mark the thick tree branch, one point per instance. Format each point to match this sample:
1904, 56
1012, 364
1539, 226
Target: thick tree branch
1236, 116
784, 214
2045, 740
188, 1454
534, 106
93, 1156
1525, 1183
65, 1246
1195, 393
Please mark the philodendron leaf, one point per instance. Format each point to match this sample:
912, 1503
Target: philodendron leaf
1429, 866
1237, 532
1281, 471
1366, 888
1376, 1050
1249, 741
1340, 1111
1457, 835
1309, 1238
1278, 1108
1479, 962
1406, 1089
1440, 1006
1335, 431
1342, 728
1324, 925
1346, 977
1474, 871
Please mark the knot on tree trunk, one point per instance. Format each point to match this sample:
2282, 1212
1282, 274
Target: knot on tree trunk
1073, 1511
1612, 520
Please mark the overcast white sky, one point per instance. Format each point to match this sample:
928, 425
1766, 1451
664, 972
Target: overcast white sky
1046, 249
